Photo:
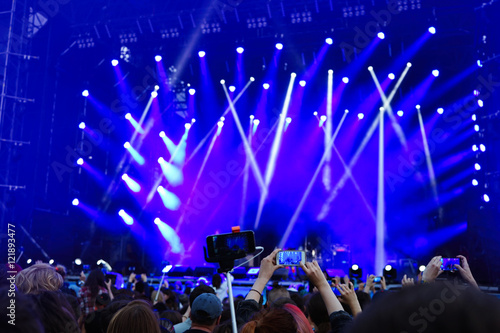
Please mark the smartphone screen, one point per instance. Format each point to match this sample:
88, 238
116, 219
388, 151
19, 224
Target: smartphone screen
233, 245
448, 264
377, 279
290, 258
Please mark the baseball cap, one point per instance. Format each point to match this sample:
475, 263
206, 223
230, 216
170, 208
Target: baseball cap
206, 306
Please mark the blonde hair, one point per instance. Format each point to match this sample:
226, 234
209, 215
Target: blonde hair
161, 296
135, 317
38, 278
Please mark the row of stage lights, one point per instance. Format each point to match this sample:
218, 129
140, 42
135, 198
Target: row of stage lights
278, 46
478, 148
389, 272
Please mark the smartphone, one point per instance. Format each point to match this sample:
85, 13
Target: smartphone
377, 279
291, 258
448, 264
230, 246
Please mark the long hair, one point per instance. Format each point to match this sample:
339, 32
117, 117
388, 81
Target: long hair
271, 320
135, 317
94, 281
38, 278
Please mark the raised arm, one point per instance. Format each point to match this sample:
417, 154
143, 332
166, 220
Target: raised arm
316, 276
465, 271
267, 268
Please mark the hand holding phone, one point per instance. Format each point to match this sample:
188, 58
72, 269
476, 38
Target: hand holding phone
290, 258
448, 264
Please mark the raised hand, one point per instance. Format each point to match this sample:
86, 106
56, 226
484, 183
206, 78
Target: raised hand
407, 282
432, 270
349, 296
465, 271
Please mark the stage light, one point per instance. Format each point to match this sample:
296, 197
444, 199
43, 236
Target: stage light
201, 54
388, 268
256, 122
293, 74
432, 30
346, 111
79, 161
474, 147
162, 134
440, 110
81, 125
265, 86
435, 72
330, 71
75, 202
315, 113
476, 128
222, 81
476, 92
482, 147
421, 268
193, 120
157, 220
157, 58
187, 126
288, 120
154, 94
251, 117
475, 182
408, 64
240, 50
329, 41
85, 93
474, 117
78, 261
390, 273
381, 35
126, 145
220, 123
400, 113
232, 88
191, 91
29, 261
345, 79
128, 116
302, 83
417, 106
323, 118
360, 116
355, 272
157, 87
370, 68
480, 103
51, 261
479, 63
486, 198
391, 76
114, 62
279, 46
170, 200
477, 166
125, 217
132, 184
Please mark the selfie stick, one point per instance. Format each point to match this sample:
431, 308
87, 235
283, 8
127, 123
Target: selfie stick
231, 301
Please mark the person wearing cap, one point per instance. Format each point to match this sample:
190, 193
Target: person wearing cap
205, 313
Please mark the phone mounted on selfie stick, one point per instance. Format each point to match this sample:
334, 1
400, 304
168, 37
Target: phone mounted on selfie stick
224, 249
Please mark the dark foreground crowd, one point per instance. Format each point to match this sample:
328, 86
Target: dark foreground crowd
44, 302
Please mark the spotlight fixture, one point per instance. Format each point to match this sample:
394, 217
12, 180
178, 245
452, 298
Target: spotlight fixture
329, 41
440, 110
81, 125
240, 50
78, 261
391, 76
75, 202
355, 272
390, 273
79, 161
486, 198
279, 46
381, 35
475, 182
114, 62
201, 54
85, 93
265, 86
435, 72
432, 30
158, 58
345, 79
191, 91
400, 113
232, 88
360, 116
302, 83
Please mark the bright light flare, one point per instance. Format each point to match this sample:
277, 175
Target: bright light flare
440, 110
126, 217
79, 161
400, 113
78, 261
477, 166
201, 54
432, 30
154, 94
158, 58
85, 93
391, 76
345, 79
81, 125
475, 182
486, 198
279, 46
322, 120
192, 91
329, 41
232, 88
435, 72
360, 116
381, 35
132, 184
240, 50
302, 83
75, 202
265, 86
170, 200
114, 62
